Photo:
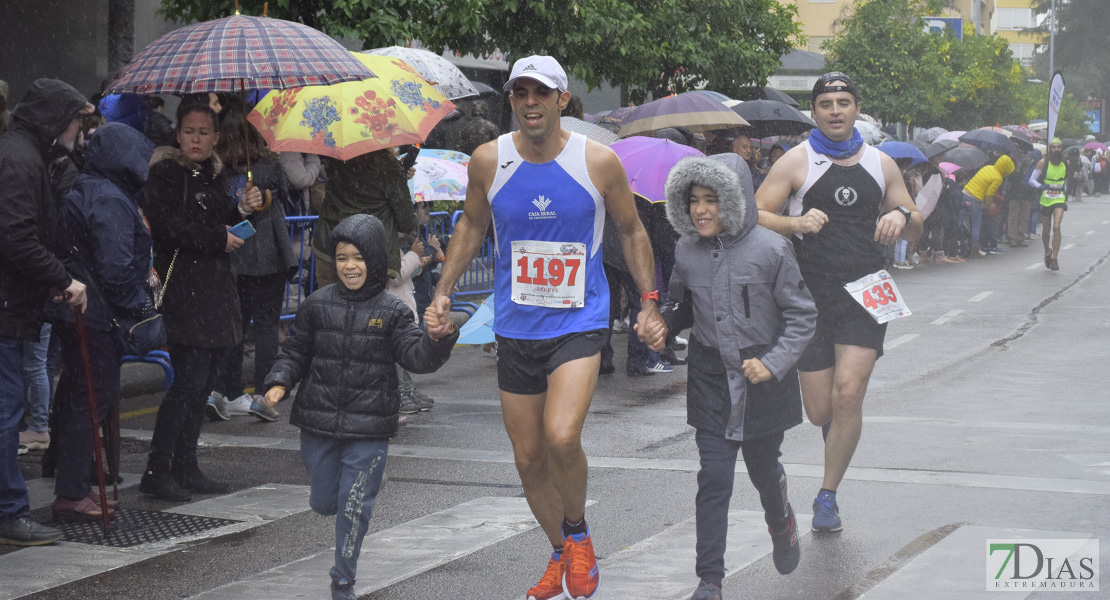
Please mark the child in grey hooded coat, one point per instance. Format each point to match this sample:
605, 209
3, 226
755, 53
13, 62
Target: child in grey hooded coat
739, 287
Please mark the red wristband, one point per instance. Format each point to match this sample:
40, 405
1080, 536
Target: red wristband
652, 295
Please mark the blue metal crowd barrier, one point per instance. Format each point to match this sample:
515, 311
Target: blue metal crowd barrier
477, 280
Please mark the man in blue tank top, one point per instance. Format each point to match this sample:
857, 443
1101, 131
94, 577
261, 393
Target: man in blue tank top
547, 191
846, 200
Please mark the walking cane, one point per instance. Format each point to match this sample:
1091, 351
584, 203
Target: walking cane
82, 340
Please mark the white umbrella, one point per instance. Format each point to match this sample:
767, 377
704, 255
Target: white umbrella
446, 77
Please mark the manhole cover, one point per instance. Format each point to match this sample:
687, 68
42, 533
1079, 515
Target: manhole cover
135, 527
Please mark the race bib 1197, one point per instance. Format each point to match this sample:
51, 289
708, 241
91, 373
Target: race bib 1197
880, 296
549, 274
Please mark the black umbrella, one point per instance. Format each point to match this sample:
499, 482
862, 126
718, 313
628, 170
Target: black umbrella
1068, 142
766, 93
769, 117
991, 141
939, 148
483, 89
967, 158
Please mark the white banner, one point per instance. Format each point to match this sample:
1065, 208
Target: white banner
1055, 98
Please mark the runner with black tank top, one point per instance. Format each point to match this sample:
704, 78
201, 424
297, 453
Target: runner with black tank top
547, 192
846, 200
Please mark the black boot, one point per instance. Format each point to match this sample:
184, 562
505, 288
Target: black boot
158, 482
191, 478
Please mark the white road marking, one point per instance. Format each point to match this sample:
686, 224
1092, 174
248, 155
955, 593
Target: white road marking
1068, 247
1034, 266
946, 317
980, 297
960, 556
915, 476
69, 561
899, 341
1090, 232
394, 554
662, 566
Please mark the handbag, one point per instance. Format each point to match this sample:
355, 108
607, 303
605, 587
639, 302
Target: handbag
137, 337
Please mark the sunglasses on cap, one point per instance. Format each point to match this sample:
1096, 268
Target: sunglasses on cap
822, 86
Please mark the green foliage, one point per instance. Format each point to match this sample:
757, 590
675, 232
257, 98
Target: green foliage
1082, 53
882, 45
984, 82
1072, 121
653, 47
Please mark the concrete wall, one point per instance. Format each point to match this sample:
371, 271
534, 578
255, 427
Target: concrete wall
62, 39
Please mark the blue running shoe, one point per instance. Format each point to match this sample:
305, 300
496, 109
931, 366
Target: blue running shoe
826, 515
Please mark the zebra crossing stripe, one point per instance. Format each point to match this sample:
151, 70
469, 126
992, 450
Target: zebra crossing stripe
394, 554
953, 569
24, 573
662, 566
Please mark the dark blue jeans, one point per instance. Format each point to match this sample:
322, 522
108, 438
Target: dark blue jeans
73, 429
344, 474
260, 300
638, 352
715, 479
13, 490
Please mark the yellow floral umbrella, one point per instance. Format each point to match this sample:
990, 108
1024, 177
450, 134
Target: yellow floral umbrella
345, 120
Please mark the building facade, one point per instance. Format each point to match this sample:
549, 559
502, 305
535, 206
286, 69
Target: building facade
818, 17
1012, 20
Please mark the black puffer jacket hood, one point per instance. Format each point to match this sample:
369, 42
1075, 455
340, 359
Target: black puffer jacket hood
121, 155
366, 233
737, 211
47, 109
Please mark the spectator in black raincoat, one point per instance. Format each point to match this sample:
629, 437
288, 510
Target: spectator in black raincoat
187, 202
48, 116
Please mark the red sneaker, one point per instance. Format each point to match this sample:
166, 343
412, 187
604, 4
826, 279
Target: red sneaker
550, 586
581, 579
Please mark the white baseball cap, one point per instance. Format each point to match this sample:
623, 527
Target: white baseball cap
543, 69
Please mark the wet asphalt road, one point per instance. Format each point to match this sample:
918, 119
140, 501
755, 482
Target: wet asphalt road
988, 409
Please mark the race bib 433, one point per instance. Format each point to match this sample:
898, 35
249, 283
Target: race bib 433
880, 296
549, 274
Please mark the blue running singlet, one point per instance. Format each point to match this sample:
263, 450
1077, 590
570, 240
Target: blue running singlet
548, 221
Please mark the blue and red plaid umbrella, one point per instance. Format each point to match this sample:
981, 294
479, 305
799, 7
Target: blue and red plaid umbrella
237, 52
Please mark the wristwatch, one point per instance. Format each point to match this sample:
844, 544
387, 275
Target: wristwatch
652, 295
905, 213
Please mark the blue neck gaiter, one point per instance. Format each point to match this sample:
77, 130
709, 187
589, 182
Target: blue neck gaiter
824, 145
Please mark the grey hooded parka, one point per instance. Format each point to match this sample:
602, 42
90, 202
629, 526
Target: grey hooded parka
744, 296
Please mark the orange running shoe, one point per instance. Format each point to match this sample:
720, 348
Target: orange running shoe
550, 586
581, 578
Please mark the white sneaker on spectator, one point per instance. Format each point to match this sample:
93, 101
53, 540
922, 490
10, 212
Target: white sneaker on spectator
620, 326
217, 407
660, 367
902, 265
34, 440
680, 342
240, 406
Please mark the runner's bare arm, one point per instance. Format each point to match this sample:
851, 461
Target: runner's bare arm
787, 176
892, 223
470, 231
608, 175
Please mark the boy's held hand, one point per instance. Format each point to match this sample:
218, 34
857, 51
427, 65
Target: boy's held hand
437, 318
275, 395
650, 326
755, 371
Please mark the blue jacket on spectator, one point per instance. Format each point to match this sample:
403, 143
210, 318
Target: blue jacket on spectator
102, 237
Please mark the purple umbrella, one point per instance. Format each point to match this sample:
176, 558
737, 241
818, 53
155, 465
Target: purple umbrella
1095, 146
648, 161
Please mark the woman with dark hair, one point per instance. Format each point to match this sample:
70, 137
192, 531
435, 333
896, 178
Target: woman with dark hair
187, 203
261, 266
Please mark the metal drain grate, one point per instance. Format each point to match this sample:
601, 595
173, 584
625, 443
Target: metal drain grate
134, 527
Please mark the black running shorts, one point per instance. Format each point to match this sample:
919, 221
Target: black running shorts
840, 320
523, 365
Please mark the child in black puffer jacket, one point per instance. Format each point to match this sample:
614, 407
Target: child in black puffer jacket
342, 349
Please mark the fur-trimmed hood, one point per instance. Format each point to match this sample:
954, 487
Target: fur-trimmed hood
736, 210
175, 154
